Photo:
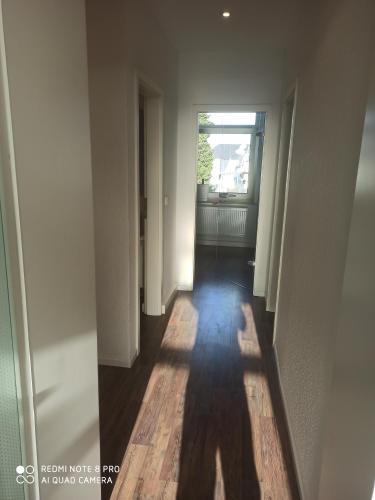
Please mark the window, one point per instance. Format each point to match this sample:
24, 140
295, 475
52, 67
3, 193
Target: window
228, 143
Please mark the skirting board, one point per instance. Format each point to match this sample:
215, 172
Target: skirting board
259, 293
168, 302
117, 362
113, 362
290, 435
185, 288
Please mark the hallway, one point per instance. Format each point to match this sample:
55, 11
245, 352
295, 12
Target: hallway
133, 136
200, 417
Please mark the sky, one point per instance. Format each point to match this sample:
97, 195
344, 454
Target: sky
232, 118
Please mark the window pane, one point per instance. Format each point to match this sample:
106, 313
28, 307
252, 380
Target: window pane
227, 118
231, 157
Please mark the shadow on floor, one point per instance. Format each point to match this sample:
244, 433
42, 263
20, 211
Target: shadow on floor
216, 456
231, 347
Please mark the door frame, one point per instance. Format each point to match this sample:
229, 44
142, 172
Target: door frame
266, 184
291, 94
281, 193
153, 269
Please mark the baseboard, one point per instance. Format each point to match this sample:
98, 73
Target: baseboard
290, 435
115, 362
170, 299
134, 357
259, 293
185, 288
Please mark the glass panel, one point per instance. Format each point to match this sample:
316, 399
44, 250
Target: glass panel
228, 118
10, 438
231, 161
230, 153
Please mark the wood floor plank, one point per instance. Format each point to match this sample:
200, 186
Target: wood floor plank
130, 472
148, 421
170, 463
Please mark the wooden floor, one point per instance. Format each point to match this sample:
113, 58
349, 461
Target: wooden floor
199, 415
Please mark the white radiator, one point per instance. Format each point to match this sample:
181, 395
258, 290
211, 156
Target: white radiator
226, 225
232, 222
207, 221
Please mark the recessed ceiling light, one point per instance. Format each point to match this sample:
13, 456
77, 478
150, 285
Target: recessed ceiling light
226, 14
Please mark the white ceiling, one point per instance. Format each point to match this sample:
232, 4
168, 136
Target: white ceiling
198, 24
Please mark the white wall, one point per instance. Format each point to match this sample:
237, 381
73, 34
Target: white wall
123, 39
45, 45
329, 118
348, 466
216, 79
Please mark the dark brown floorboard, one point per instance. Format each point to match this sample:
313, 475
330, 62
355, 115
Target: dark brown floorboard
199, 415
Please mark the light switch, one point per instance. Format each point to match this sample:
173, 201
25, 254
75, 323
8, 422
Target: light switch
166, 200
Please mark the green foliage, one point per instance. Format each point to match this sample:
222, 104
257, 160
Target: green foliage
205, 153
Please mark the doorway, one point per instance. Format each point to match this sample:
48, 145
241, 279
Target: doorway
148, 208
229, 164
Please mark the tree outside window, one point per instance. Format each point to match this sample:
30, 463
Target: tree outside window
205, 153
